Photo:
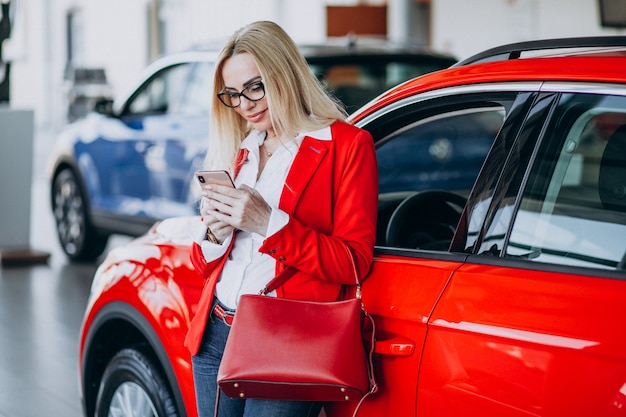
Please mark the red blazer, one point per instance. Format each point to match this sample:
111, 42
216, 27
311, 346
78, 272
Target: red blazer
331, 195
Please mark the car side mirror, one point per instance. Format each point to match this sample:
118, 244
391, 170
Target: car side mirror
104, 106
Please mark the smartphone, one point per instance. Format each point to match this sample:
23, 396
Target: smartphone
214, 177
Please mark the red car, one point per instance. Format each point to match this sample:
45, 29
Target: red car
499, 280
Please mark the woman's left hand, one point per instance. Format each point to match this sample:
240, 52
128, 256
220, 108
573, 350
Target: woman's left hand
242, 208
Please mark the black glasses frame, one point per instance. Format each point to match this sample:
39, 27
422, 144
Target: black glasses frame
238, 95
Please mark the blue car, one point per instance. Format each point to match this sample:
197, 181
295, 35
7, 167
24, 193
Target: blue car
131, 161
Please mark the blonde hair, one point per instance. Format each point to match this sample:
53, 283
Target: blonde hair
296, 99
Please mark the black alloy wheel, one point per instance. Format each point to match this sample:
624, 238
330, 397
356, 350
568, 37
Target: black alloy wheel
78, 239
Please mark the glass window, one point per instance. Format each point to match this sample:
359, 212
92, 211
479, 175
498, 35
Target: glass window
356, 83
197, 98
573, 208
489, 218
162, 93
426, 170
441, 152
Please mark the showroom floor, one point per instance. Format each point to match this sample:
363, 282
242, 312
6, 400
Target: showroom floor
40, 313
41, 308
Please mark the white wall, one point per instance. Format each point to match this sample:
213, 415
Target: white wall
30, 81
464, 28
115, 34
114, 38
201, 20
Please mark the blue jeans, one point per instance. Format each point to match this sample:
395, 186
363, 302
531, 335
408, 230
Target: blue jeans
205, 365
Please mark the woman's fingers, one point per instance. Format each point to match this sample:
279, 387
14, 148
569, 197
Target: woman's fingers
243, 208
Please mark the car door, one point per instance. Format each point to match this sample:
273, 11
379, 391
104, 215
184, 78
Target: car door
160, 133
172, 162
532, 323
433, 146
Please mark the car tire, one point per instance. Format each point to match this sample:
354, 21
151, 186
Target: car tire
132, 386
78, 238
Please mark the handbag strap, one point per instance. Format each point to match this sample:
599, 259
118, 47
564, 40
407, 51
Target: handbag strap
370, 364
283, 276
287, 273
278, 280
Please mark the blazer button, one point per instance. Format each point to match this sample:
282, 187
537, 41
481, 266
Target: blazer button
282, 259
271, 252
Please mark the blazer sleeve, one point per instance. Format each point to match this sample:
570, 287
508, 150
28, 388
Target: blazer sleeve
317, 247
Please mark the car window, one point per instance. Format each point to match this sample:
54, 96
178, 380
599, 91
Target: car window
161, 94
357, 83
426, 169
196, 100
573, 207
441, 152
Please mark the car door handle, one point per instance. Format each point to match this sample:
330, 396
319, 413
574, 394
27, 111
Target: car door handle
396, 346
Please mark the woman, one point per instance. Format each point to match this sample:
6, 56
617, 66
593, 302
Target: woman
306, 189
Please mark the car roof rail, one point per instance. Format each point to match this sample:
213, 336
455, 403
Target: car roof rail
515, 50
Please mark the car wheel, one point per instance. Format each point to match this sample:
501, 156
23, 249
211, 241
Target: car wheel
132, 386
79, 240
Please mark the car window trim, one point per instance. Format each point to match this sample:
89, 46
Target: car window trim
407, 253
525, 265
433, 118
524, 86
607, 89
511, 168
489, 179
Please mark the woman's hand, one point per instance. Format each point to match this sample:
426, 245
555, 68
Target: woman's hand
219, 229
226, 208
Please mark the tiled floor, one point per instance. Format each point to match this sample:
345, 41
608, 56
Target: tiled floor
41, 309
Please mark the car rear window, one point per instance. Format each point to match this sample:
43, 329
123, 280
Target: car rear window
356, 83
573, 208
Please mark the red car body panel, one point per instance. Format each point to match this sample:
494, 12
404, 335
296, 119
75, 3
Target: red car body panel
141, 275
605, 69
461, 309
400, 294
159, 281
504, 356
448, 342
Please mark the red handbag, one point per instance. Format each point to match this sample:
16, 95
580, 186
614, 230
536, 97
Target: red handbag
282, 349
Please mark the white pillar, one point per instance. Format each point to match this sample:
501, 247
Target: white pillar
16, 162
408, 21
398, 20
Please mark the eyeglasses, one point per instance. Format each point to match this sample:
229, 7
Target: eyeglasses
253, 92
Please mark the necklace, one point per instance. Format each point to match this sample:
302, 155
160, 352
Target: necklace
268, 153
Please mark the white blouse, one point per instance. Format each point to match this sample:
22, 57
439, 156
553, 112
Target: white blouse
248, 270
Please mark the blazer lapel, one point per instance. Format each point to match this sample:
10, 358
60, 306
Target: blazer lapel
241, 159
307, 160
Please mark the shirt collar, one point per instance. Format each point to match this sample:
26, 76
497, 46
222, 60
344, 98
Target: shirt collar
321, 134
256, 137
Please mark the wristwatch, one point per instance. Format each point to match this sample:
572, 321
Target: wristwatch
211, 237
